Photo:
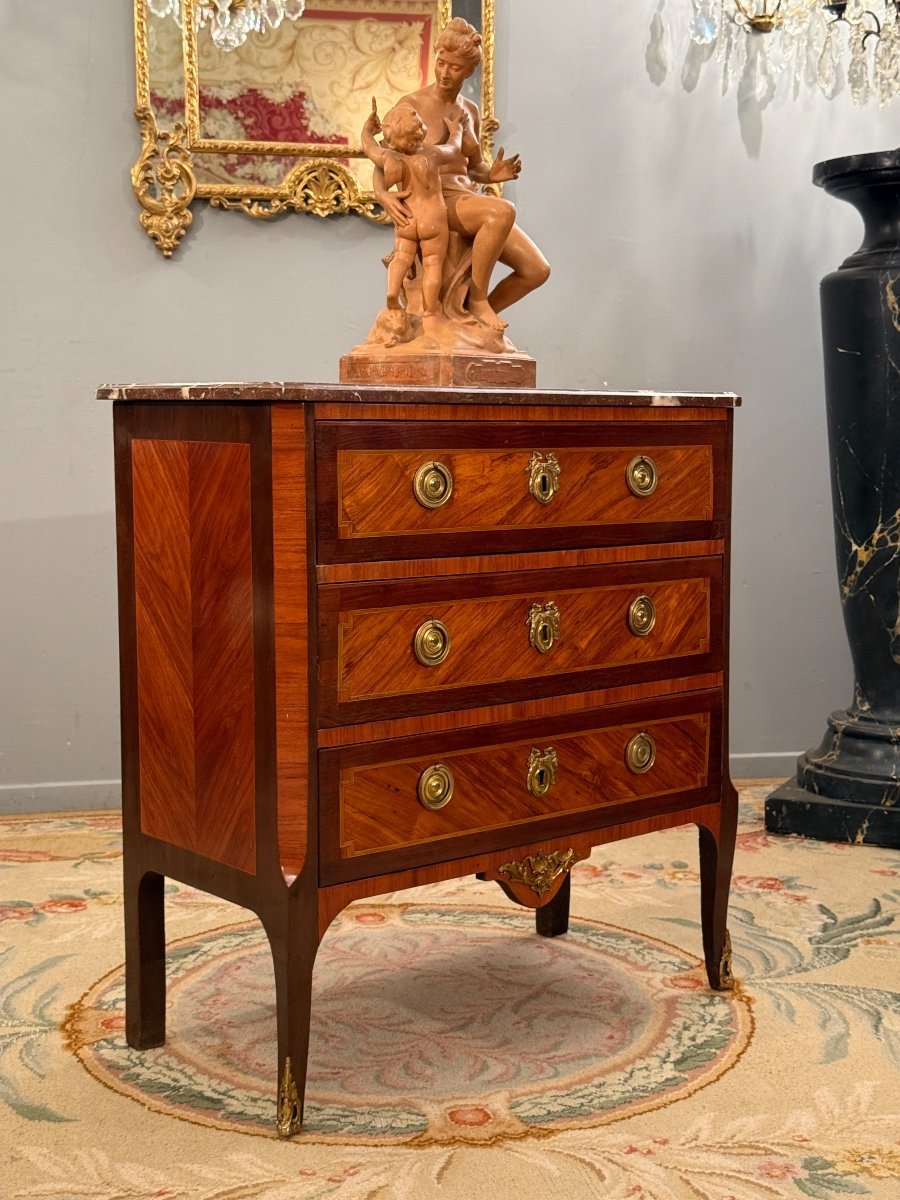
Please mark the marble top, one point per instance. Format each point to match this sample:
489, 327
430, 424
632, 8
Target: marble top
299, 393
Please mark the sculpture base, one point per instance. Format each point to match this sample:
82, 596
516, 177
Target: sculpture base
375, 364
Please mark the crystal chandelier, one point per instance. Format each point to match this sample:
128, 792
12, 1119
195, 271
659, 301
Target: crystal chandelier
231, 22
762, 44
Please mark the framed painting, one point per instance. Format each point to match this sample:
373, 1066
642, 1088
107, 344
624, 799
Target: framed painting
257, 105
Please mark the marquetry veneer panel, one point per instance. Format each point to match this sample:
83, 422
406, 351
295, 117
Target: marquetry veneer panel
368, 644
377, 810
371, 481
194, 625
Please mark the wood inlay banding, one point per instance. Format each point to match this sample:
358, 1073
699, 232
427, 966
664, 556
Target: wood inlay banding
418, 568
666, 415
521, 710
291, 634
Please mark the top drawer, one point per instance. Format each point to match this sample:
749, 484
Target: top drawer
384, 488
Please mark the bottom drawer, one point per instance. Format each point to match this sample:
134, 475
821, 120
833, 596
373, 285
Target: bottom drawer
391, 805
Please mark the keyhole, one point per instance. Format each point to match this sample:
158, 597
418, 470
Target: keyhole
544, 484
541, 778
545, 634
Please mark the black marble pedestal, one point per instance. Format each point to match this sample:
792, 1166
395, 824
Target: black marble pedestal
792, 809
847, 789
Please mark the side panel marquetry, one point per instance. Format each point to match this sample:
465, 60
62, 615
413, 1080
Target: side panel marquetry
492, 624
512, 777
194, 624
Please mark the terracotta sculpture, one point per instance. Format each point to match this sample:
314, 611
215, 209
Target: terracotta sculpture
457, 338
404, 160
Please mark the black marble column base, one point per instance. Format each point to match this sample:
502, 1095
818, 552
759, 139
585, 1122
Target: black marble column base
847, 789
858, 760
791, 809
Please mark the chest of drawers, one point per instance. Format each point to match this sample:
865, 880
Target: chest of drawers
376, 638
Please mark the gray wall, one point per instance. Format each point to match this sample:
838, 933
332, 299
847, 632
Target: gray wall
681, 261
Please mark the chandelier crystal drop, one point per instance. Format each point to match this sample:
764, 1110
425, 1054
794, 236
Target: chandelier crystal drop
762, 45
230, 22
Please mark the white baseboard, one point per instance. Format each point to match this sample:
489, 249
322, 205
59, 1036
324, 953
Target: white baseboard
764, 766
79, 795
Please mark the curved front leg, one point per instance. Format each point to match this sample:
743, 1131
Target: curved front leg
294, 938
716, 858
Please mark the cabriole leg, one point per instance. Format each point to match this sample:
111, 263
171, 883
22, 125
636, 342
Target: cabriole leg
716, 857
294, 942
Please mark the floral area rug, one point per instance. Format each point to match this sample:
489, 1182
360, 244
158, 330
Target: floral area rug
453, 1052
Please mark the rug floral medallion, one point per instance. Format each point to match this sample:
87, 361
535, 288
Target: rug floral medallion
453, 1052
506, 1036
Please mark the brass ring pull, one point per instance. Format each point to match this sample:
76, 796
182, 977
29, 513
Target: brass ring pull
543, 623
435, 788
640, 753
541, 771
641, 475
433, 484
641, 616
432, 643
543, 477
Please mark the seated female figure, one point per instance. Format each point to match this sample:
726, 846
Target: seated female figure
489, 222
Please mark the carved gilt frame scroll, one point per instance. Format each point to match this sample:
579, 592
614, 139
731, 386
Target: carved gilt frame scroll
169, 174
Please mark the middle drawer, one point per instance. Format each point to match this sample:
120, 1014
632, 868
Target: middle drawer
398, 649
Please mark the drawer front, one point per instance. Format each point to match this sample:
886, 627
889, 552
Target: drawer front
415, 801
385, 489
416, 647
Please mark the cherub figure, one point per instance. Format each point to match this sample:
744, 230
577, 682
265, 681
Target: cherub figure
442, 321
488, 221
414, 168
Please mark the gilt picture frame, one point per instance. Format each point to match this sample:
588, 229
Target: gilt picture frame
271, 126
